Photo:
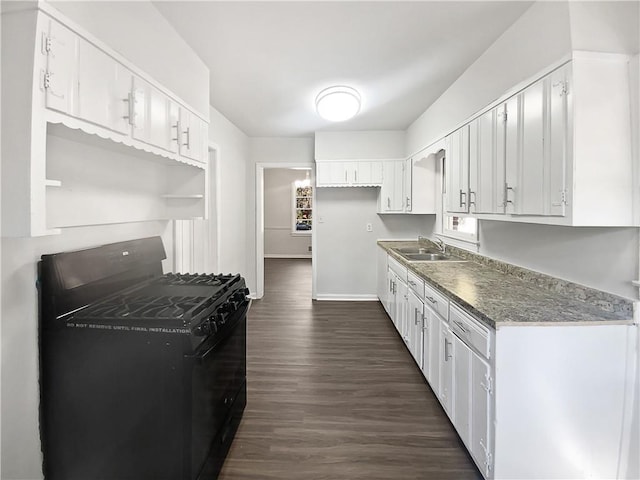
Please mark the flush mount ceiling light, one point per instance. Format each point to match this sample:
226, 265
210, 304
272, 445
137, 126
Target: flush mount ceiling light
338, 103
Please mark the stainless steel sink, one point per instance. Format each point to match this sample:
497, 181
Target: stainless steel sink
413, 250
422, 257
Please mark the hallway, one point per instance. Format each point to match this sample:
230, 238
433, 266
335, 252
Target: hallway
334, 394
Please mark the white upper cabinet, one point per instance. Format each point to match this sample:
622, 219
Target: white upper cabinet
352, 173
104, 86
484, 181
82, 95
190, 133
558, 151
420, 183
457, 171
391, 198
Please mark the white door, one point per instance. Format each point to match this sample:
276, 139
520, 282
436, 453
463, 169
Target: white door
190, 132
481, 416
432, 348
367, 173
104, 86
559, 88
391, 191
446, 368
457, 171
415, 320
330, 173
482, 164
402, 307
462, 389
61, 48
530, 192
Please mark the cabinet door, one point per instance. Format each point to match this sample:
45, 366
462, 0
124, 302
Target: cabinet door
104, 86
530, 192
383, 284
482, 164
420, 184
366, 173
402, 307
151, 123
331, 173
559, 88
415, 321
61, 78
392, 299
190, 132
481, 414
462, 389
457, 171
431, 365
391, 200
446, 369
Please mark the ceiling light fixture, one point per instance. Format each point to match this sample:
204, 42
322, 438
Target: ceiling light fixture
338, 103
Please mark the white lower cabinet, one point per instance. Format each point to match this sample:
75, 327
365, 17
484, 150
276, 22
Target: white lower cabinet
431, 352
462, 389
445, 389
415, 320
480, 414
521, 397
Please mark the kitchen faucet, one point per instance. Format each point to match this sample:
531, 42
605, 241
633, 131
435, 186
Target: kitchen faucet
441, 245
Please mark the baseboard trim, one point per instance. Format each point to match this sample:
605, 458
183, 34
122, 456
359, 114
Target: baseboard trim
281, 255
342, 297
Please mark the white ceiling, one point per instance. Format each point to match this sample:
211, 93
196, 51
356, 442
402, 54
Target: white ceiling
268, 60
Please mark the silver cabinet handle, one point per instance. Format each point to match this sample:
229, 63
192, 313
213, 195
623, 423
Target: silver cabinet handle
432, 300
415, 316
355, 175
465, 198
424, 324
177, 137
345, 176
447, 355
411, 282
131, 111
187, 132
471, 192
461, 326
388, 202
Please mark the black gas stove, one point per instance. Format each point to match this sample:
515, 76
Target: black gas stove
142, 373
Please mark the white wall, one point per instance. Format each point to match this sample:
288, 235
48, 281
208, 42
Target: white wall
278, 215
602, 258
384, 144
271, 152
235, 205
166, 57
345, 251
538, 38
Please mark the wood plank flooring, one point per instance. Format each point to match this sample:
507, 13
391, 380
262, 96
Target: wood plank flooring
334, 394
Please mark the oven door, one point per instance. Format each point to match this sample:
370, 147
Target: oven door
218, 373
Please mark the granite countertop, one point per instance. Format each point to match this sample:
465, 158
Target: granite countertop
498, 298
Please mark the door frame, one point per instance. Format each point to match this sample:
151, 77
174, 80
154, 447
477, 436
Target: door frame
259, 224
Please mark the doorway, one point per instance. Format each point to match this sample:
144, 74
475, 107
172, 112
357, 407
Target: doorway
291, 224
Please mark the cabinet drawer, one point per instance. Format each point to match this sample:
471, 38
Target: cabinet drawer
436, 301
397, 268
416, 284
470, 330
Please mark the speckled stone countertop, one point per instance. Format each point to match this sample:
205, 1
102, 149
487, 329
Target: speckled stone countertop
500, 294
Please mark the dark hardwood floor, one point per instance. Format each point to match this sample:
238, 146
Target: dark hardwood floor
334, 394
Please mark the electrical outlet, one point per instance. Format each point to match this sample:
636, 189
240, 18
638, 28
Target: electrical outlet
309, 247
369, 227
